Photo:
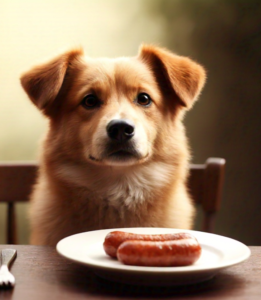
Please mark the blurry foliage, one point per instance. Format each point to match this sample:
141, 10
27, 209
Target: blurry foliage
221, 23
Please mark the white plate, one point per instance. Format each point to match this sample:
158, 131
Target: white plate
218, 252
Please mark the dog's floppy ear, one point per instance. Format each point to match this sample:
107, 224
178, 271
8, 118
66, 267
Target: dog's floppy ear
43, 82
174, 74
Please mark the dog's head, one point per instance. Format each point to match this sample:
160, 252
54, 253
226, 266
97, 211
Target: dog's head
114, 111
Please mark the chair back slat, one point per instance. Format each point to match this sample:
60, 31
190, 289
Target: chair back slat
213, 181
196, 182
16, 180
11, 232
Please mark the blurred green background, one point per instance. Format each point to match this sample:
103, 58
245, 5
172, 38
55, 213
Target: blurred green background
223, 35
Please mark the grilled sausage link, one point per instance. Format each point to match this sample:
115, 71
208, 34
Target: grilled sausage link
115, 238
161, 254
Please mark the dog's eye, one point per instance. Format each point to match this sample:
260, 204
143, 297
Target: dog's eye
144, 99
90, 101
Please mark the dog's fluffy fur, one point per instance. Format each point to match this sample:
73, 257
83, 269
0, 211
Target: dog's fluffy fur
88, 181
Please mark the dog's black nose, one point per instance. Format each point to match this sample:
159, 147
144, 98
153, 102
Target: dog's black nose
120, 130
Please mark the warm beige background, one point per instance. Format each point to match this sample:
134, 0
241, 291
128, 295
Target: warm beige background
223, 35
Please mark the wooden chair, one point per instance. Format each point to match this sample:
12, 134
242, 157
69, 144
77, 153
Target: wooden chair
205, 184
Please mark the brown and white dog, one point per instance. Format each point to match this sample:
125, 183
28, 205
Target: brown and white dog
116, 153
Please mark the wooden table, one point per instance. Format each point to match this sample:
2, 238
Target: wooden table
41, 273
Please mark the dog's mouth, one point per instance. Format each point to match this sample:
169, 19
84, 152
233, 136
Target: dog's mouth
122, 155
121, 152
118, 154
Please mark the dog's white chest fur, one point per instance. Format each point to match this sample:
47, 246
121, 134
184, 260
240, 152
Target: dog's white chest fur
137, 186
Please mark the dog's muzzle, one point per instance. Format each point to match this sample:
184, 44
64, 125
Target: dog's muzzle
121, 146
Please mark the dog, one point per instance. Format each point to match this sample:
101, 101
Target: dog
116, 153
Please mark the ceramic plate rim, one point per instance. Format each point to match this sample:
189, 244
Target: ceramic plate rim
139, 269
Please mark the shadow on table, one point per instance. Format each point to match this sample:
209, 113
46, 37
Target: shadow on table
86, 281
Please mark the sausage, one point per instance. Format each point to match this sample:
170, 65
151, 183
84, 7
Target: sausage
160, 254
115, 238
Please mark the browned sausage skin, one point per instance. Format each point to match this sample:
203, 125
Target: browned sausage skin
115, 238
161, 254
